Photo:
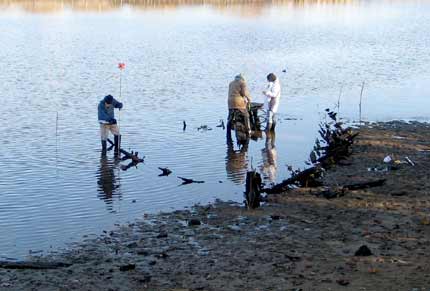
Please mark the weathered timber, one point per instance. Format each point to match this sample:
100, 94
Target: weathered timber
165, 171
305, 178
364, 185
253, 189
333, 146
133, 156
32, 265
189, 181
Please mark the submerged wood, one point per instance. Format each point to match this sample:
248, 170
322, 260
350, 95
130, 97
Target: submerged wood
189, 181
253, 189
336, 146
366, 184
305, 178
33, 265
133, 156
165, 171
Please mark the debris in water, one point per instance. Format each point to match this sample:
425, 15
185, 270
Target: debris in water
253, 189
221, 124
204, 128
342, 282
185, 126
363, 251
127, 267
388, 159
189, 181
133, 156
165, 172
194, 222
409, 161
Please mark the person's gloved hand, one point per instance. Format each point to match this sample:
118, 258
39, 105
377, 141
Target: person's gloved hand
112, 121
120, 106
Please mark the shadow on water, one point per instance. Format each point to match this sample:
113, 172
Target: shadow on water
108, 181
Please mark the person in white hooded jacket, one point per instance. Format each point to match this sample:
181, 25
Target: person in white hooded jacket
272, 95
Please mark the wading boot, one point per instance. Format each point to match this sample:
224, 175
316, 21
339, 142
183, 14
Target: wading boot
269, 127
117, 142
104, 147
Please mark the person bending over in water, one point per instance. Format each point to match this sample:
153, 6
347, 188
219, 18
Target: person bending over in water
108, 122
272, 94
238, 101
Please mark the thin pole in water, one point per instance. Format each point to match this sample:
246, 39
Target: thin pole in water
121, 66
120, 94
338, 99
361, 97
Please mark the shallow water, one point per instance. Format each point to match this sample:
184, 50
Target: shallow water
62, 59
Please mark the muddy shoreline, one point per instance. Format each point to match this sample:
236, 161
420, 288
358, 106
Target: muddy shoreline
296, 241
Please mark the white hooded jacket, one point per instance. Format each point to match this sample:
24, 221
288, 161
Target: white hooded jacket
273, 93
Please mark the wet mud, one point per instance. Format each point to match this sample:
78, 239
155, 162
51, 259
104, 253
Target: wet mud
368, 239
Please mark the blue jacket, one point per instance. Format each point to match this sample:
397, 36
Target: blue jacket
107, 114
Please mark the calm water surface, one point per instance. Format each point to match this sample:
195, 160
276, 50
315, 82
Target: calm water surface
60, 58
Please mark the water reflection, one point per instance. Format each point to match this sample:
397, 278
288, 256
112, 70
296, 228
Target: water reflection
108, 181
236, 161
246, 8
269, 157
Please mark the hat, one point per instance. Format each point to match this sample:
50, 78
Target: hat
108, 99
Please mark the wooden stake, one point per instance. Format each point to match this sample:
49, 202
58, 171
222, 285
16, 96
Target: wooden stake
338, 99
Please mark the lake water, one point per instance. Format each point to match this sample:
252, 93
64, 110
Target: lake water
60, 58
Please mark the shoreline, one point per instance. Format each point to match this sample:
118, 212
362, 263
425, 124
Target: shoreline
296, 241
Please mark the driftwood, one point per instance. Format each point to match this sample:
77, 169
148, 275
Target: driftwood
221, 124
333, 146
364, 185
336, 191
253, 189
189, 181
305, 178
133, 156
165, 172
33, 265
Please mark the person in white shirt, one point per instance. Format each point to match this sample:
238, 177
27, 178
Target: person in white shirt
272, 95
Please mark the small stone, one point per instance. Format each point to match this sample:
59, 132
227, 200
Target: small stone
162, 255
194, 222
162, 235
363, 251
127, 267
132, 245
143, 253
342, 282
